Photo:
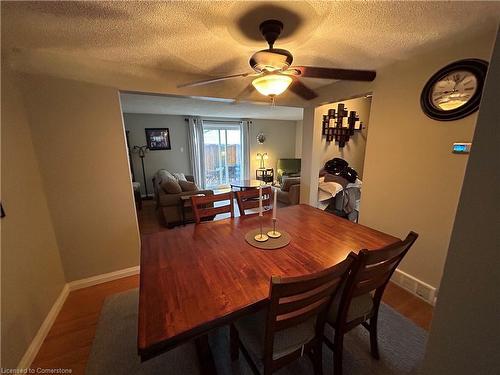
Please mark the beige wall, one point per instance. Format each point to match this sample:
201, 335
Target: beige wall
298, 139
416, 150
354, 150
310, 159
80, 144
174, 160
280, 142
412, 181
32, 273
465, 337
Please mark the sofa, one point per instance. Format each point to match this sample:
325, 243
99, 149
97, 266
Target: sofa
169, 206
288, 180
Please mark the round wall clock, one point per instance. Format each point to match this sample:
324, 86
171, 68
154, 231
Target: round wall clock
455, 91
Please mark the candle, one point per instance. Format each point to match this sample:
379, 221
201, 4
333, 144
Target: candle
260, 200
274, 204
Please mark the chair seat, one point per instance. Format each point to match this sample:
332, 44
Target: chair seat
360, 307
251, 331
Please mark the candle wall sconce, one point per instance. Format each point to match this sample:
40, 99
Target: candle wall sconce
339, 125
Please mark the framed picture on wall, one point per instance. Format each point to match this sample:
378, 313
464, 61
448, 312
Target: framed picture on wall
158, 139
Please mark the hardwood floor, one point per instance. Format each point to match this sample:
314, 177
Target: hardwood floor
69, 341
415, 309
148, 218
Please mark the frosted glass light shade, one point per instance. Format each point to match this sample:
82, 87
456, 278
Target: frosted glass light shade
272, 84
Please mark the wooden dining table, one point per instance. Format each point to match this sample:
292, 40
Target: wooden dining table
199, 277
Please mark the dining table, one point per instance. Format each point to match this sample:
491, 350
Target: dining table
247, 184
196, 278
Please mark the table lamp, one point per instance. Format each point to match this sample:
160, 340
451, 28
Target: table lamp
261, 158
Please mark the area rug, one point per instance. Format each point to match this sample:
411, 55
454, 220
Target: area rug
114, 351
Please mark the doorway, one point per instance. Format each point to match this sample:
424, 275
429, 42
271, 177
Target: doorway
342, 194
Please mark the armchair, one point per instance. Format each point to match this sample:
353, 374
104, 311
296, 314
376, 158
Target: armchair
288, 176
287, 167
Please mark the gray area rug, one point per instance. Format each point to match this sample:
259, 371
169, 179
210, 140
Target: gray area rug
114, 351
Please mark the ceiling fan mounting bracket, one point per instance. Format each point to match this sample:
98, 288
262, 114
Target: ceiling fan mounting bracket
271, 30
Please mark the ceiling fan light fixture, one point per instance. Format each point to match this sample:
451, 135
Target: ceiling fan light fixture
272, 84
274, 73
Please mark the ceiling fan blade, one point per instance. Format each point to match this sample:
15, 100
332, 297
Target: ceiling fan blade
333, 73
244, 93
302, 90
213, 80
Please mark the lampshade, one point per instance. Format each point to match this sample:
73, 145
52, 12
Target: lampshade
272, 84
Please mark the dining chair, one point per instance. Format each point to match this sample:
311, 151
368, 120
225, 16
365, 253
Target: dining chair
249, 199
205, 206
359, 301
293, 322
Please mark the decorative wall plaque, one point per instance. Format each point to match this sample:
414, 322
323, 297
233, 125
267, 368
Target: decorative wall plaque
339, 125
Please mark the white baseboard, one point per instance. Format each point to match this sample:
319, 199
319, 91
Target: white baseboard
99, 279
415, 286
42, 333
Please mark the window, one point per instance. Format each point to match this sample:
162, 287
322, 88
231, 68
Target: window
223, 153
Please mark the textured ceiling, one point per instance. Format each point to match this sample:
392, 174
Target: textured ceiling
166, 105
216, 37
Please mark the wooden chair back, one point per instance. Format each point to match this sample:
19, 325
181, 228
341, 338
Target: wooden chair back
249, 199
293, 300
372, 271
203, 206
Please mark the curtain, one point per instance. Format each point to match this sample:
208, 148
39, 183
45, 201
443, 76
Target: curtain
196, 147
245, 142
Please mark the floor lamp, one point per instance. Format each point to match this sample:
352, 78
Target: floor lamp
141, 150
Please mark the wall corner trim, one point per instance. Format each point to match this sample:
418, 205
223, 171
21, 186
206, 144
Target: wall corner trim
42, 333
32, 351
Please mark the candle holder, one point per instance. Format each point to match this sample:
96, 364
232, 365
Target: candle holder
273, 233
261, 237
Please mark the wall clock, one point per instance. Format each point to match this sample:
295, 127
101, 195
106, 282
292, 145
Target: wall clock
454, 91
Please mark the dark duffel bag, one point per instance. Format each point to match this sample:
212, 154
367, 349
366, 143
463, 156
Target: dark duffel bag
349, 174
335, 166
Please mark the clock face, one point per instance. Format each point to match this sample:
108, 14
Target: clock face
454, 90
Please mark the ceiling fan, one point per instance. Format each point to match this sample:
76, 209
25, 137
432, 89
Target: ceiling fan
274, 74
